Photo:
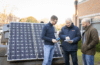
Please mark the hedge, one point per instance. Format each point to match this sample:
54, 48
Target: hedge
97, 46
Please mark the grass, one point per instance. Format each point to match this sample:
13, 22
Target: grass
96, 59
79, 53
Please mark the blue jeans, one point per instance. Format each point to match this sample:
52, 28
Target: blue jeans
88, 59
48, 54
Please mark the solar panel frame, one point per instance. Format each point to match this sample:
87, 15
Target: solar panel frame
14, 49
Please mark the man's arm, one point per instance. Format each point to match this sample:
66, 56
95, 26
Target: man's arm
44, 32
95, 38
61, 35
78, 36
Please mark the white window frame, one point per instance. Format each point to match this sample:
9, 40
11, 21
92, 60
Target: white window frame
82, 1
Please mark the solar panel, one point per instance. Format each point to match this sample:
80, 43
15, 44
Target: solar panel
40, 43
37, 29
57, 51
25, 42
21, 44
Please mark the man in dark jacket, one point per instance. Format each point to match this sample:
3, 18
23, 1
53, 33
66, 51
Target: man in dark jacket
70, 32
89, 40
48, 35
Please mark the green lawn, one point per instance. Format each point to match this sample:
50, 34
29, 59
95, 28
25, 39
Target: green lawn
96, 59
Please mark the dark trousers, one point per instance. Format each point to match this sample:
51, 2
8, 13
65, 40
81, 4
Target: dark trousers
73, 56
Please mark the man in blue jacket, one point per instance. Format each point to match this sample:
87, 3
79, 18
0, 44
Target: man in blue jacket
70, 32
49, 40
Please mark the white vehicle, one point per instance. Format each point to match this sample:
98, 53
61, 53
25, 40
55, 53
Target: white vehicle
1, 30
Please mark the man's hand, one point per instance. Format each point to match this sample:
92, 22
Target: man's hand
70, 42
67, 38
54, 41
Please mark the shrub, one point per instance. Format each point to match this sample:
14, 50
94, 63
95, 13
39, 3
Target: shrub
79, 45
97, 46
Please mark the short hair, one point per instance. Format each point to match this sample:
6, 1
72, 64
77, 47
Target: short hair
42, 22
87, 20
68, 19
53, 17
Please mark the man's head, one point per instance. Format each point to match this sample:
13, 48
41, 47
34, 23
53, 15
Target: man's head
54, 19
86, 22
68, 22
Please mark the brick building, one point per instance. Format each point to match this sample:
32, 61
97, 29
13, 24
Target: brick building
88, 9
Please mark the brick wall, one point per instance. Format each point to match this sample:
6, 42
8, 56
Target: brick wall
87, 8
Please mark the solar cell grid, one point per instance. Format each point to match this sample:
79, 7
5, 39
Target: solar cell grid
21, 45
25, 42
39, 44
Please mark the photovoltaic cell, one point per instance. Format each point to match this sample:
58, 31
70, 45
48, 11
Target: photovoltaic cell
21, 44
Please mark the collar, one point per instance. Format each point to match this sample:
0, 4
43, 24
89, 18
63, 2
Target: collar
50, 24
87, 27
72, 25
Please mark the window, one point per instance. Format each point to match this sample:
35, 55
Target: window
80, 26
96, 19
0, 28
95, 22
97, 26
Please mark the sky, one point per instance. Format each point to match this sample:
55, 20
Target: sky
40, 9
